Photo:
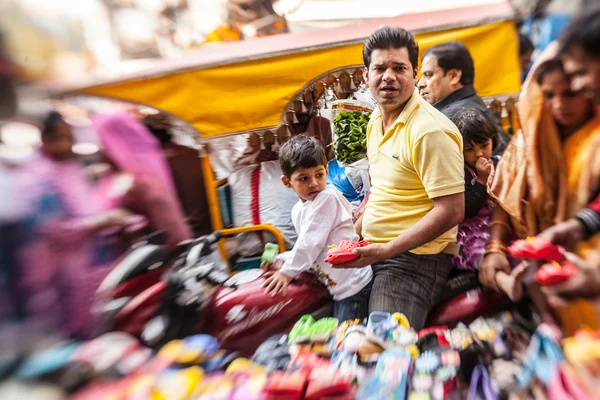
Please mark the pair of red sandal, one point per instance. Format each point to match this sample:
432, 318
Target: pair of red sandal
557, 271
309, 377
344, 252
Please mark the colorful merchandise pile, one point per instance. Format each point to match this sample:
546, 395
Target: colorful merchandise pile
493, 358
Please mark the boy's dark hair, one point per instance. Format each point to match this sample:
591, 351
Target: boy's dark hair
548, 66
525, 44
301, 151
582, 32
391, 38
50, 122
475, 126
454, 55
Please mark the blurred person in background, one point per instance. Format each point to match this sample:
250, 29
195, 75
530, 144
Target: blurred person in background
63, 257
543, 27
138, 177
187, 173
525, 53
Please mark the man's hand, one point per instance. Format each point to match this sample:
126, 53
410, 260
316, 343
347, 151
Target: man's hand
484, 169
491, 264
586, 284
566, 234
276, 283
367, 255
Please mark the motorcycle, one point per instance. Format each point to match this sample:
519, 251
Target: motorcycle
195, 295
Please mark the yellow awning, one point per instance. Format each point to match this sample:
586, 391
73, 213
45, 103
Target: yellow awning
223, 97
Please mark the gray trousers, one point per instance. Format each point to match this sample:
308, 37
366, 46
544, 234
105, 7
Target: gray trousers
410, 284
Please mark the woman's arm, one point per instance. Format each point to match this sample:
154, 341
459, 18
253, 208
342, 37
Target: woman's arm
495, 258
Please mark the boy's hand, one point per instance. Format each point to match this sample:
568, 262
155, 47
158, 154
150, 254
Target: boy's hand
276, 283
484, 169
269, 268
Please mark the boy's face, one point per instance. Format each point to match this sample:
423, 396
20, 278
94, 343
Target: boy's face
307, 182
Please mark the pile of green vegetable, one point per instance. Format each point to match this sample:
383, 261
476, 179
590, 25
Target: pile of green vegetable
350, 136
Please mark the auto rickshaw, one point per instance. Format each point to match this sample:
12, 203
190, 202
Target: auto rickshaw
244, 88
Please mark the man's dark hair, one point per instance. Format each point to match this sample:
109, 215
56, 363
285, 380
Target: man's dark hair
583, 32
50, 123
301, 151
391, 38
475, 126
454, 55
548, 66
525, 44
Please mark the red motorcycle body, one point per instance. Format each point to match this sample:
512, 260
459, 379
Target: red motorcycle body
241, 318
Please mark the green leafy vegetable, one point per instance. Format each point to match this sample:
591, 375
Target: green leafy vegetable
350, 136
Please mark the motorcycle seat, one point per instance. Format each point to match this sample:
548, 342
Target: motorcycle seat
464, 299
459, 281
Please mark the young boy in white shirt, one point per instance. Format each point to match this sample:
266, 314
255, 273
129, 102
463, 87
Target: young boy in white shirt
321, 218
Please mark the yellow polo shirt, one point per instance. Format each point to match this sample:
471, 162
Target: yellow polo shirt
418, 159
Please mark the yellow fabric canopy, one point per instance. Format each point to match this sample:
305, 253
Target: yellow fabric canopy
224, 98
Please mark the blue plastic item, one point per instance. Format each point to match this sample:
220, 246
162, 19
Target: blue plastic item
337, 177
47, 361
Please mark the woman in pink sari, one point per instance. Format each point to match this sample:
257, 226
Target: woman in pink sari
140, 179
61, 235
76, 240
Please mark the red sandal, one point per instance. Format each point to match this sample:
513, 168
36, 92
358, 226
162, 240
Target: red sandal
343, 252
536, 249
553, 273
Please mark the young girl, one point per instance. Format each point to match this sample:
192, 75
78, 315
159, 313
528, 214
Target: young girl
479, 138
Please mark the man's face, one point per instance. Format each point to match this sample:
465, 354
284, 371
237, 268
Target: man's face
434, 84
584, 72
391, 77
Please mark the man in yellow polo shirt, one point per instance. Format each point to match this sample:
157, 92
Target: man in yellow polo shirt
417, 183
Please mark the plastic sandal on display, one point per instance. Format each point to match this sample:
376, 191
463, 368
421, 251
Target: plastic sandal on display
390, 379
321, 330
300, 333
481, 385
544, 356
380, 327
344, 252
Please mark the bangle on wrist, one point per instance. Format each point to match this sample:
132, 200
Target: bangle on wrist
503, 223
495, 246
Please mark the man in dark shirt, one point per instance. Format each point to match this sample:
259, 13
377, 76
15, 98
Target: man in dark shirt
447, 75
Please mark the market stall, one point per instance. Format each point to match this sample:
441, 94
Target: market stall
250, 87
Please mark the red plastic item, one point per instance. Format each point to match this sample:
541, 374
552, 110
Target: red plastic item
288, 385
343, 252
439, 330
551, 274
537, 249
339, 385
